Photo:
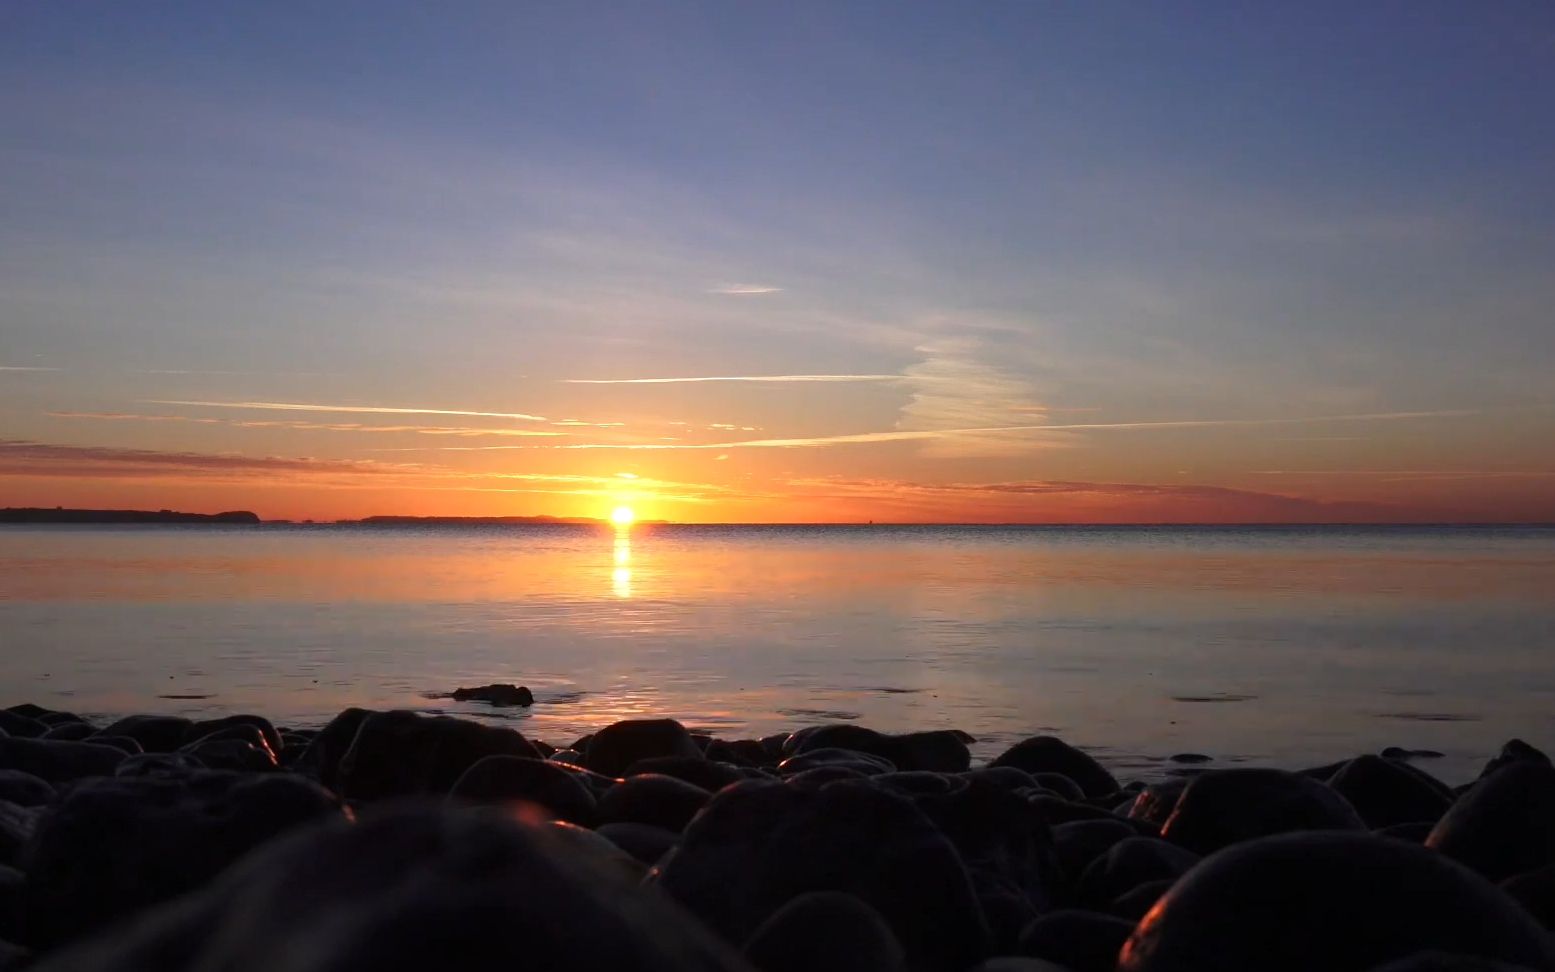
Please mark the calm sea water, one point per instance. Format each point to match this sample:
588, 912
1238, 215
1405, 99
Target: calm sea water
1278, 646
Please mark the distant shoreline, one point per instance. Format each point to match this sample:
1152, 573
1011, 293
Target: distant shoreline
61, 516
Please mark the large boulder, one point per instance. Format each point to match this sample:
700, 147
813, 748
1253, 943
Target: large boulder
1080, 940
939, 751
56, 761
1341, 902
207, 728
113, 846
757, 845
1049, 754
1505, 824
404, 754
617, 746
1128, 864
414, 888
1225, 807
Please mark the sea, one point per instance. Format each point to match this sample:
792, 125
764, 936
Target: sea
1268, 646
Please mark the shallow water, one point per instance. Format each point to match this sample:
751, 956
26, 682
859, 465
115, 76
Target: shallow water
1269, 646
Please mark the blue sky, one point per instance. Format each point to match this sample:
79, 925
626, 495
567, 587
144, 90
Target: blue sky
1021, 214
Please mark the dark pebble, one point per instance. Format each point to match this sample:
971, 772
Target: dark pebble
825, 931
1080, 940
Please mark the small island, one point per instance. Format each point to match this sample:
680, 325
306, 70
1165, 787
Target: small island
60, 514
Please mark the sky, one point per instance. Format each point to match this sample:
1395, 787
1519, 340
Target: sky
797, 262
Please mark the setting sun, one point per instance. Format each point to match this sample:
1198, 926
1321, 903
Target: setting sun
622, 516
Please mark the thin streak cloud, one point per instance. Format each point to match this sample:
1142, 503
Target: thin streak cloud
25, 368
705, 378
449, 430
745, 290
362, 409
927, 434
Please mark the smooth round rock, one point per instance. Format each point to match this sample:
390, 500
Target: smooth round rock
644, 842
1049, 754
159, 764
1505, 824
1080, 842
1514, 751
154, 733
662, 801
757, 845
825, 931
709, 775
1385, 792
70, 732
619, 745
57, 761
405, 754
321, 759
1155, 803
113, 846
24, 789
509, 779
1084, 941
1129, 863
1227, 807
14, 724
1535, 891
414, 888
1341, 902
207, 728
852, 759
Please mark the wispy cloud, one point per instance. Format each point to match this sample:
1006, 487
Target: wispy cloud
702, 378
953, 389
745, 290
905, 435
449, 430
352, 409
25, 368
1413, 473
23, 458
1060, 500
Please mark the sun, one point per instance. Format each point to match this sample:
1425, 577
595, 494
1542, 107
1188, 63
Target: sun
622, 516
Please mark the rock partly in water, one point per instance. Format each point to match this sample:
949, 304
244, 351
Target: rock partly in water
502, 695
614, 748
1049, 754
1385, 792
404, 754
1341, 902
154, 733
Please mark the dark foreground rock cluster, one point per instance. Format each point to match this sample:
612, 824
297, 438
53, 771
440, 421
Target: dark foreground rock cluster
392, 840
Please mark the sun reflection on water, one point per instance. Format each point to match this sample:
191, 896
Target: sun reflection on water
621, 576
